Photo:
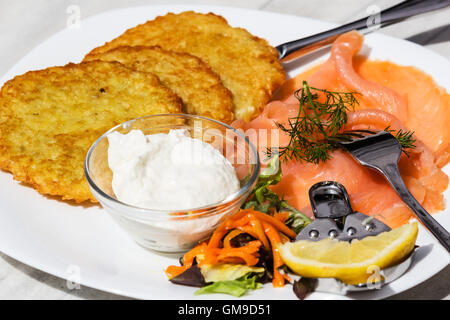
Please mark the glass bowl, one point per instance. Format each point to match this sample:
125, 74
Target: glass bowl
164, 230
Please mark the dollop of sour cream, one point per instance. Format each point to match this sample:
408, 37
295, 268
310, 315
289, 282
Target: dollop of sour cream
168, 171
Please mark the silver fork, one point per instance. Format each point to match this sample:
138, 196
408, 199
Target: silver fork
381, 151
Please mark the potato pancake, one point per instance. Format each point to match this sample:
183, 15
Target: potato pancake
247, 65
49, 119
189, 77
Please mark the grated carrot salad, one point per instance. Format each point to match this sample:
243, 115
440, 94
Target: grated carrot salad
267, 230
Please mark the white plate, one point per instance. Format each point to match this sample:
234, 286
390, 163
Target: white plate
84, 245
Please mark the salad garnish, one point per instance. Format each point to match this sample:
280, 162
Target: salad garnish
265, 200
257, 256
242, 252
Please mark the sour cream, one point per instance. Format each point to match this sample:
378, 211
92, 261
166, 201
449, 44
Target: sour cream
168, 171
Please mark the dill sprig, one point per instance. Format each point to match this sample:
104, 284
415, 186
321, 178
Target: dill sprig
318, 127
314, 131
405, 138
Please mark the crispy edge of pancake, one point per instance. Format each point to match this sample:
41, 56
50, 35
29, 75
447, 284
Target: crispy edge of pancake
261, 72
199, 87
39, 173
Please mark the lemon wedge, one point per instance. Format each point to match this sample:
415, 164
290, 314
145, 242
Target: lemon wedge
352, 263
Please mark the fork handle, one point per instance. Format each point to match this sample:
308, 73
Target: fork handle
294, 49
395, 179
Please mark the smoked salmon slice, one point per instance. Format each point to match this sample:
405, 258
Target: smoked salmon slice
369, 192
428, 104
404, 91
388, 97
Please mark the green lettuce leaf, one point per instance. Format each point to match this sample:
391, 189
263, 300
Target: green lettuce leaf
263, 199
235, 288
227, 271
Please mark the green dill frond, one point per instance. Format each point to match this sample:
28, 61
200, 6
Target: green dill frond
321, 116
318, 127
405, 138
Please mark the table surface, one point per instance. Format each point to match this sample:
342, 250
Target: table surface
24, 24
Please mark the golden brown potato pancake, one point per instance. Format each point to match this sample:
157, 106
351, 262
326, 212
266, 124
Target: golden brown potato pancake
189, 77
50, 118
247, 65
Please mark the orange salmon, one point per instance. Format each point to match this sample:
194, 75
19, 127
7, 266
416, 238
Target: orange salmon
404, 91
389, 97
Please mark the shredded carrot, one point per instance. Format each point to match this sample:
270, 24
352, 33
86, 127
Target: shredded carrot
217, 236
243, 218
248, 253
287, 278
191, 255
284, 238
229, 236
248, 259
258, 230
240, 214
251, 231
282, 216
276, 223
267, 230
173, 271
274, 238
